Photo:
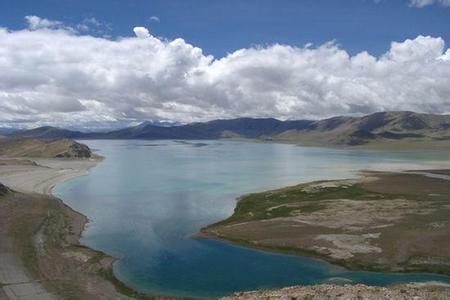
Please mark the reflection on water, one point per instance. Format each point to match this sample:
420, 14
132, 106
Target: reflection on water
146, 198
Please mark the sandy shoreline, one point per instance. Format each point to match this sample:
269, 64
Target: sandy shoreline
23, 176
92, 276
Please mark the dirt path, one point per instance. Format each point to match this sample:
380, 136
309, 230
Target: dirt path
14, 279
16, 284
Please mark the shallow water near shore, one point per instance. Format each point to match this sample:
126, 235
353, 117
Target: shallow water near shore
147, 198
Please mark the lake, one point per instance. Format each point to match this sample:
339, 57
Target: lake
147, 198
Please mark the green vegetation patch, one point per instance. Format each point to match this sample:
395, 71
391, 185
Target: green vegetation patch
297, 199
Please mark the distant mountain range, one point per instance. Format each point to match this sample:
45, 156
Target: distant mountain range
5, 130
241, 127
159, 123
379, 128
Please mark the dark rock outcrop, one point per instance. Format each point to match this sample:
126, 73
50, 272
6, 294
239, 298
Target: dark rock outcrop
4, 190
76, 150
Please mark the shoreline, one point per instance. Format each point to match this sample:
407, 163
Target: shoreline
311, 255
31, 178
394, 145
41, 175
59, 171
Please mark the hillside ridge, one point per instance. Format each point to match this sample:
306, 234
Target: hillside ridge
378, 128
59, 148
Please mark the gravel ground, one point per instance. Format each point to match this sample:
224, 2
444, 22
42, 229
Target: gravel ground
416, 291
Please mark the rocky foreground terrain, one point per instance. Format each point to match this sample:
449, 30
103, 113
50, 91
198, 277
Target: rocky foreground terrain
416, 291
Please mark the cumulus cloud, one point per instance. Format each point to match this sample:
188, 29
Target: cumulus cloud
35, 22
54, 76
141, 32
423, 3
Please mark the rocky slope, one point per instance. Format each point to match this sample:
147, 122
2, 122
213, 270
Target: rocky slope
41, 257
4, 190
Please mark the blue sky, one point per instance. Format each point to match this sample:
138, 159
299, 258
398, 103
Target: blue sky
219, 27
104, 64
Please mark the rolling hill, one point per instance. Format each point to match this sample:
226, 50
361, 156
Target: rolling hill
384, 129
24, 147
47, 132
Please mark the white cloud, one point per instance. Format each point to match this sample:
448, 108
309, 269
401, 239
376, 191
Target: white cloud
423, 3
154, 19
141, 32
58, 77
35, 22
83, 27
421, 48
93, 26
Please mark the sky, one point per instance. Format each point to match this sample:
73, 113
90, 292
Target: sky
104, 64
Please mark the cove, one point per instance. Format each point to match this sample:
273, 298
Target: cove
147, 198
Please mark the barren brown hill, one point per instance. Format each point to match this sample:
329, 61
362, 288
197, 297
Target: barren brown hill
403, 130
64, 148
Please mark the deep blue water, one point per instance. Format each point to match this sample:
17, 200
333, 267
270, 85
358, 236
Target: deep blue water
147, 197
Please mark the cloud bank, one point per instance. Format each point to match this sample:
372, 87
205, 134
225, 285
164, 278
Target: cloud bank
423, 3
52, 75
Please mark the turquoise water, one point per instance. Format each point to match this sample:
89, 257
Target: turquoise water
147, 197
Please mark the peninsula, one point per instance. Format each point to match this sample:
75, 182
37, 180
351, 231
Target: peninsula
385, 221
